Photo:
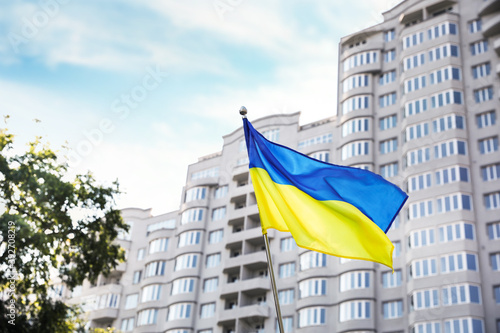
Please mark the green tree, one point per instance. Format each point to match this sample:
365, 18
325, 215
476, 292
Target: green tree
50, 223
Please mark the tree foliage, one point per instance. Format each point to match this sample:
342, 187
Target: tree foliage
50, 225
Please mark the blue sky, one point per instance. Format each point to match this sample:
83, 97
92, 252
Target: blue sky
138, 90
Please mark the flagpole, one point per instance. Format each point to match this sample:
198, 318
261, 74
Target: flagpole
243, 113
273, 284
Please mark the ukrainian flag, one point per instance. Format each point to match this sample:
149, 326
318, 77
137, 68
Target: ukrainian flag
337, 210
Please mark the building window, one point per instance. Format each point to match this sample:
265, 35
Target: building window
207, 310
168, 224
147, 317
389, 170
481, 70
220, 192
452, 202
186, 261
386, 100
461, 294
479, 47
288, 244
494, 231
323, 156
391, 280
192, 215
312, 316
196, 193
287, 325
107, 301
419, 182
443, 51
355, 81
414, 84
131, 301
488, 146
312, 287
425, 299
456, 231
420, 238
182, 286
447, 123
413, 39
458, 262
210, 285
483, 94
417, 131
475, 26
140, 254
451, 175
356, 148
420, 209
354, 280
215, 236
355, 310
442, 29
495, 261
397, 249
446, 98
449, 148
389, 56
491, 172
461, 325
158, 245
415, 107
360, 59
492, 200
387, 122
418, 156
355, 103
213, 260
189, 238
286, 270
423, 268
272, 134
127, 324
155, 268
137, 277
389, 35
388, 146
179, 311
218, 213
387, 77
325, 138
486, 119
427, 327
286, 296
312, 259
354, 126
393, 309
151, 293
413, 61
445, 74
207, 173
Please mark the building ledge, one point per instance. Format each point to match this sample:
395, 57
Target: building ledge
491, 26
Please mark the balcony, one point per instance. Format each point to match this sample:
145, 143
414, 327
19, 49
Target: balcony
489, 7
105, 314
491, 26
496, 45
250, 311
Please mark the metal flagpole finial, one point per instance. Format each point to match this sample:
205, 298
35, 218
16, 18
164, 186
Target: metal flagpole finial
243, 112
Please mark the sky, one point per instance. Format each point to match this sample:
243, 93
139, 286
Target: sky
138, 90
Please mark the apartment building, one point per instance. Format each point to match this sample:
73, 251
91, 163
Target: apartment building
417, 103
